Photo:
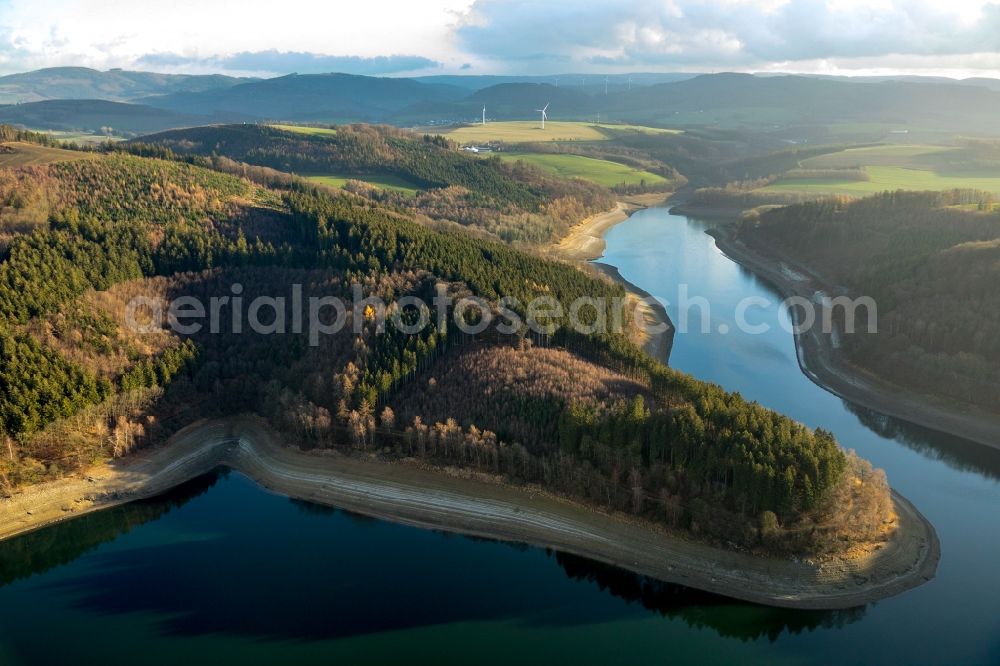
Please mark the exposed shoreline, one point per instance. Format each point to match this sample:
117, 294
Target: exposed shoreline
707, 213
819, 362
411, 495
585, 244
652, 311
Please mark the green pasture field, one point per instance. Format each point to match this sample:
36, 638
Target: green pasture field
602, 172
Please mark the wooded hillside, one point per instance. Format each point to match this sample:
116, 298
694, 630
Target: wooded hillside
596, 414
514, 202
930, 260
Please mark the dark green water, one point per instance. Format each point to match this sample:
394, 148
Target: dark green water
220, 571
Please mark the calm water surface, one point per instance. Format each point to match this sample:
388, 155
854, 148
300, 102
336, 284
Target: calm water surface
221, 571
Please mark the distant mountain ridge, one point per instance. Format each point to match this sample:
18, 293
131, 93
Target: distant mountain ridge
90, 115
792, 99
726, 101
515, 100
593, 83
313, 97
113, 85
729, 99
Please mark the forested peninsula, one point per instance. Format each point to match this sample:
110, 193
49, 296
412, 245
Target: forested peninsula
589, 417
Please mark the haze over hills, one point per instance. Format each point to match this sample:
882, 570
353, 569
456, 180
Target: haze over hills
114, 85
516, 100
981, 81
93, 115
691, 302
726, 100
584, 82
316, 97
808, 99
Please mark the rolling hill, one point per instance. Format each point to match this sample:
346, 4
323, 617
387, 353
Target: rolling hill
930, 260
90, 115
121, 225
602, 172
744, 99
726, 100
21, 153
505, 200
312, 97
478, 82
115, 85
519, 100
775, 102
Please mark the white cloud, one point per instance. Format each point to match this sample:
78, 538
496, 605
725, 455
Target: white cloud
116, 33
738, 34
960, 36
272, 61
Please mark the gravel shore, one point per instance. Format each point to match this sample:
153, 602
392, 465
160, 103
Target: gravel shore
413, 495
820, 362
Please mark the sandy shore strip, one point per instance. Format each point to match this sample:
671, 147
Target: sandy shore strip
584, 244
412, 495
585, 241
820, 362
652, 312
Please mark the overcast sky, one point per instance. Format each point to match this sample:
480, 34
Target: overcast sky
396, 37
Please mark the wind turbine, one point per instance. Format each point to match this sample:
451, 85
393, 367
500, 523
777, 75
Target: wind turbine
484, 114
544, 114
605, 85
